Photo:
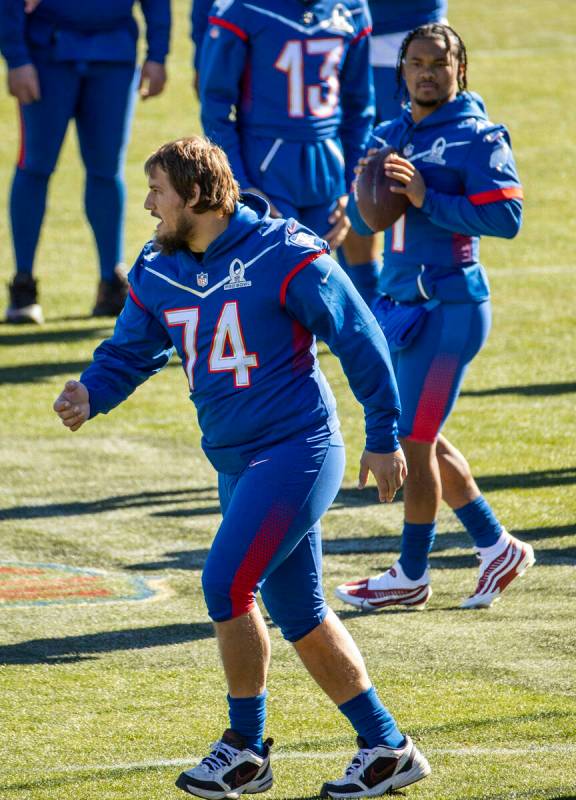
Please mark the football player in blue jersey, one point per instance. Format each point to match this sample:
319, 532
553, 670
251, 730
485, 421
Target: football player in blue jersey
76, 60
392, 20
457, 170
241, 297
297, 78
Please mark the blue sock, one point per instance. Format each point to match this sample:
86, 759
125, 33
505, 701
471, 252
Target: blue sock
417, 541
27, 206
364, 277
248, 718
480, 522
371, 720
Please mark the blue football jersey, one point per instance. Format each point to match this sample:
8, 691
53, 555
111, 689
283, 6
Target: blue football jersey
291, 71
243, 321
472, 190
394, 16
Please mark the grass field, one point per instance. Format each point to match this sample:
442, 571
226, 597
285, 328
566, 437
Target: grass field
105, 701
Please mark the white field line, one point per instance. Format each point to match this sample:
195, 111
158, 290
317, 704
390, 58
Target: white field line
546, 269
461, 752
522, 52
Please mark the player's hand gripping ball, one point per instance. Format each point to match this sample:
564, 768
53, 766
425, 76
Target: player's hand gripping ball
378, 206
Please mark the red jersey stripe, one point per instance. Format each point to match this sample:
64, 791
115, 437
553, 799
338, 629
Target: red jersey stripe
230, 26
295, 271
22, 150
361, 35
134, 297
495, 195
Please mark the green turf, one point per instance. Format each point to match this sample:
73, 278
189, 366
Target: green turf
107, 700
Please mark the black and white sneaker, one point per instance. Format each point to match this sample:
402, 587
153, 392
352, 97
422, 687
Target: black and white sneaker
24, 307
376, 770
230, 770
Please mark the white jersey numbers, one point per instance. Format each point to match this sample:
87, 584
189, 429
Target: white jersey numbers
228, 350
188, 318
322, 98
399, 235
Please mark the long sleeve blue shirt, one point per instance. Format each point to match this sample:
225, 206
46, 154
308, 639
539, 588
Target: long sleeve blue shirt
244, 322
90, 30
472, 190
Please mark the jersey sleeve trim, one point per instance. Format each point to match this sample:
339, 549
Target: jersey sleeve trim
298, 268
364, 32
136, 299
230, 26
495, 195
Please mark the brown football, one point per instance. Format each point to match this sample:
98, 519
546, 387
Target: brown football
378, 206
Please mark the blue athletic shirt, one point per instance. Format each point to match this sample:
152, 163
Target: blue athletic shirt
81, 30
394, 16
291, 70
243, 321
472, 190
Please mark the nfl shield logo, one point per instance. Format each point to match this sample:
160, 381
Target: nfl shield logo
202, 279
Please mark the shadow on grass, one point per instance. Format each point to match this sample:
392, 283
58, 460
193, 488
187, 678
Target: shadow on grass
389, 546
530, 390
350, 497
182, 559
117, 502
40, 336
36, 373
71, 649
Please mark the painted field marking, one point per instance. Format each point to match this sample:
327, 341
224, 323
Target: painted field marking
40, 584
519, 271
460, 752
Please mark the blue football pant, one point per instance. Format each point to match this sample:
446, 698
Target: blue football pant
100, 97
270, 537
430, 371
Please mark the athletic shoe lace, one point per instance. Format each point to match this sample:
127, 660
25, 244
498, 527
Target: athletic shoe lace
358, 761
222, 755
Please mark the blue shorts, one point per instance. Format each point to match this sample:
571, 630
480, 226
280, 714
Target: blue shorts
430, 371
270, 538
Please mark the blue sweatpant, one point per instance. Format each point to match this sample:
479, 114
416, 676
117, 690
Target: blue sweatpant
100, 97
270, 538
430, 371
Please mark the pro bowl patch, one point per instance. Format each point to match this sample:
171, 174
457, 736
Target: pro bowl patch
304, 239
30, 584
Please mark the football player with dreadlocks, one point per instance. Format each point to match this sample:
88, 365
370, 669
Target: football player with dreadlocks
457, 170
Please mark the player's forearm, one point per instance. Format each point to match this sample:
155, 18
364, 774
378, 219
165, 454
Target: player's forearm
216, 124
199, 24
158, 21
12, 40
502, 218
110, 381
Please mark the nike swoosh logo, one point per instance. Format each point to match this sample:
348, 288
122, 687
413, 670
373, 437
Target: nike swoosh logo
325, 278
255, 463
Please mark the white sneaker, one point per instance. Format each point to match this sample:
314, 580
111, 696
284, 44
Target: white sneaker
391, 588
377, 770
500, 564
230, 770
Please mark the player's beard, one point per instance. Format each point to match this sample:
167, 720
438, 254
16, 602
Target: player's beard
434, 102
177, 239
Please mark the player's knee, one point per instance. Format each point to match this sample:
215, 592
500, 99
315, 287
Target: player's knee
224, 600
296, 616
32, 170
